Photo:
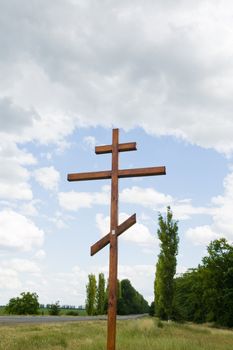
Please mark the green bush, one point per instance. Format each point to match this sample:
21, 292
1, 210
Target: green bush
54, 309
72, 313
27, 304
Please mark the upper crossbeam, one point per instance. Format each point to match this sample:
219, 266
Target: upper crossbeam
122, 147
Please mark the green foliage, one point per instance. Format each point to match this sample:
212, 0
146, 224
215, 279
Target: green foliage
27, 304
72, 313
166, 266
130, 301
91, 289
54, 309
205, 294
100, 298
152, 309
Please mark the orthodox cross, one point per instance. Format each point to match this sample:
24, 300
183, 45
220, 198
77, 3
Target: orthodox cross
115, 230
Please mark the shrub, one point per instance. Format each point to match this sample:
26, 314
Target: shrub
27, 304
72, 313
54, 309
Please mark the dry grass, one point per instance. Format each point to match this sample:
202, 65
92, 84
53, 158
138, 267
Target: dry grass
131, 335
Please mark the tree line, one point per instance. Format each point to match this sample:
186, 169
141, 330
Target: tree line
202, 294
129, 300
205, 294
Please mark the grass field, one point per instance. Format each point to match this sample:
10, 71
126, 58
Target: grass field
45, 311
141, 334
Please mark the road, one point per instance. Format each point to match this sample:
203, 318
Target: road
52, 319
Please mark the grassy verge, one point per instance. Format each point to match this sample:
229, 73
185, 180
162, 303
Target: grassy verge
141, 334
64, 312
45, 311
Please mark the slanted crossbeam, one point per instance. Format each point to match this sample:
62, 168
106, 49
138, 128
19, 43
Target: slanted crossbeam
95, 248
115, 230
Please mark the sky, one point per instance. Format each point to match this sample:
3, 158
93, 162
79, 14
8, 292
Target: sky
70, 71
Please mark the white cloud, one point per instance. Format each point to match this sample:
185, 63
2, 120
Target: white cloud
47, 177
182, 209
74, 200
222, 219
9, 279
61, 75
14, 177
147, 197
21, 191
14, 181
21, 265
40, 254
18, 232
58, 220
89, 142
68, 287
9, 151
29, 208
103, 224
201, 235
141, 277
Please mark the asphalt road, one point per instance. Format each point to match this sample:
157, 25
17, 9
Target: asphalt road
52, 319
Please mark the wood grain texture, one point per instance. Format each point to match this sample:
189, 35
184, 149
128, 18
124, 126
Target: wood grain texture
152, 171
113, 256
122, 147
104, 175
98, 175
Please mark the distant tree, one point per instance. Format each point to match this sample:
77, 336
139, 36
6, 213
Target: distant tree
166, 265
100, 297
152, 309
91, 289
205, 294
218, 282
130, 300
54, 309
26, 304
188, 297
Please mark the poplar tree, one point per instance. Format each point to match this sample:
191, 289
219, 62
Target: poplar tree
166, 265
100, 298
91, 288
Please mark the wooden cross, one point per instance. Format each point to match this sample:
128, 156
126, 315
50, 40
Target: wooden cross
115, 230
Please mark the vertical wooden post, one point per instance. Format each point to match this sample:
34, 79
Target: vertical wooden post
112, 299
115, 230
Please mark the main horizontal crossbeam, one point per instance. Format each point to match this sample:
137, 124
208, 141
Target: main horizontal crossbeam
95, 248
102, 175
